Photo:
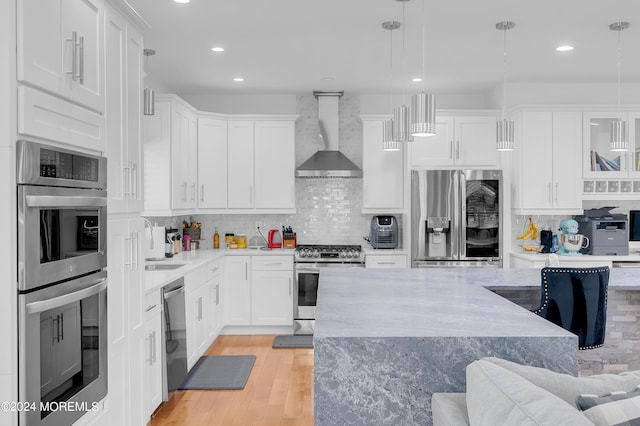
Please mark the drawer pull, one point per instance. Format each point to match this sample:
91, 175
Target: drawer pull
150, 308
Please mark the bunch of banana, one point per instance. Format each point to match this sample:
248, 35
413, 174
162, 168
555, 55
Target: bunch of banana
530, 248
531, 233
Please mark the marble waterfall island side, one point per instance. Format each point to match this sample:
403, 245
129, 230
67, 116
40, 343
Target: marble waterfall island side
387, 339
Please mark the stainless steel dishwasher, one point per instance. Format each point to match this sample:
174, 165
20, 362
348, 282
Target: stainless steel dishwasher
174, 336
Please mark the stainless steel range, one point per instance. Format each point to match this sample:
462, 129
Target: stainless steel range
308, 262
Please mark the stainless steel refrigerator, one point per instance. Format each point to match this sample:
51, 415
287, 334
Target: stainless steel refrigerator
456, 218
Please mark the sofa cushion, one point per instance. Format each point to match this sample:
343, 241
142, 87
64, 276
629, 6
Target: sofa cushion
497, 396
616, 408
449, 409
567, 386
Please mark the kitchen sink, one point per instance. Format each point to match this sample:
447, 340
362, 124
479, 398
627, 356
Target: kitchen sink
163, 266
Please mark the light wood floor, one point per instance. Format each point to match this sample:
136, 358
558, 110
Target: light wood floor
279, 390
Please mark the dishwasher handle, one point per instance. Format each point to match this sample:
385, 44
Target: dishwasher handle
173, 292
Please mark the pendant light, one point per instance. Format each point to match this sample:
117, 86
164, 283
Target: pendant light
401, 114
504, 127
619, 140
423, 105
389, 143
148, 100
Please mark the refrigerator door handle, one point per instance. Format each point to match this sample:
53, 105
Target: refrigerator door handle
462, 222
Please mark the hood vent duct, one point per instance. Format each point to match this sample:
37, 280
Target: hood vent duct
329, 162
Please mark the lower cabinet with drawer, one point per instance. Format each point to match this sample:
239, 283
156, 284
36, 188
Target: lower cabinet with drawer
272, 290
258, 291
152, 355
386, 261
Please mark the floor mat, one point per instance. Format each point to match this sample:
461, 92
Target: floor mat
298, 341
228, 372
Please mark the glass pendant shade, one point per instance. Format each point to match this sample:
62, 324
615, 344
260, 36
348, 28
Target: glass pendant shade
149, 102
423, 114
619, 140
401, 131
504, 135
388, 144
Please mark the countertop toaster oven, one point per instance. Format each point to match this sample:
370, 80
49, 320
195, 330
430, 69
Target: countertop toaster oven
384, 232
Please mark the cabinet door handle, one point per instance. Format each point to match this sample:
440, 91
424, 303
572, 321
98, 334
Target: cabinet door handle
126, 176
457, 150
246, 272
150, 340
134, 181
451, 153
217, 294
556, 194
134, 243
150, 308
202, 193
385, 262
81, 61
61, 324
154, 347
193, 192
130, 262
550, 193
200, 309
290, 286
55, 329
272, 263
74, 57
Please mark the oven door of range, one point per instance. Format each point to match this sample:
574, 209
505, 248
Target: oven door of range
306, 280
63, 349
62, 233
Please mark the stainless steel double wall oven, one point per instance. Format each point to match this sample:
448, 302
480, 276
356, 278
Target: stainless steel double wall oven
62, 283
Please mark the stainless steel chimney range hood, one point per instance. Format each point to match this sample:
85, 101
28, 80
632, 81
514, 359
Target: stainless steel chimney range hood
329, 162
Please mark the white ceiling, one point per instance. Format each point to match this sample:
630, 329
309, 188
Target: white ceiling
296, 46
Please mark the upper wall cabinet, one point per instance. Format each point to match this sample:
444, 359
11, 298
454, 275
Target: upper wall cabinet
382, 175
123, 85
598, 160
212, 163
547, 169
60, 49
170, 149
246, 164
460, 141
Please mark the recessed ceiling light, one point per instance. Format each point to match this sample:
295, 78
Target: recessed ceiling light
416, 80
238, 79
564, 48
182, 1
217, 49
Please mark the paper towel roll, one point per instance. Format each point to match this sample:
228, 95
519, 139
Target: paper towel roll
154, 243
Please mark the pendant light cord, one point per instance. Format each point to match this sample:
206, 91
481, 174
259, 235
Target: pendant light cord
391, 71
619, 73
504, 75
423, 43
403, 54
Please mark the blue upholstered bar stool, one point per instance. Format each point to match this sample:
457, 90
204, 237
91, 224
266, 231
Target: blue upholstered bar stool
576, 300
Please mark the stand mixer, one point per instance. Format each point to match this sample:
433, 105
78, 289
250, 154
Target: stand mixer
570, 241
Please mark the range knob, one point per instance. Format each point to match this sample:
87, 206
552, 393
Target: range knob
316, 253
353, 253
343, 253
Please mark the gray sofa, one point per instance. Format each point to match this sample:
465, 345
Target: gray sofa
501, 392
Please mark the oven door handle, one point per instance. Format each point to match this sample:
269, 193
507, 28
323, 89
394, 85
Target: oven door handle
306, 270
56, 302
66, 201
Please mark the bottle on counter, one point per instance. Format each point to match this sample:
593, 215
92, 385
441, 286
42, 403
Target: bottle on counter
216, 239
187, 242
168, 246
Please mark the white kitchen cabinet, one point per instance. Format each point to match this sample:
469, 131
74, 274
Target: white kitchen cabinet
272, 290
274, 161
125, 256
547, 168
215, 312
461, 141
598, 160
383, 173
212, 163
240, 165
195, 315
151, 348
123, 83
237, 290
170, 150
386, 260
60, 49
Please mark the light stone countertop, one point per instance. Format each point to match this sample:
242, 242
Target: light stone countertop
196, 258
433, 302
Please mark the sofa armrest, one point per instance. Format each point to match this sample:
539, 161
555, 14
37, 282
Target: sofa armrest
449, 409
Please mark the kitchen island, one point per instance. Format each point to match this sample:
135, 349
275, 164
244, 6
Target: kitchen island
386, 340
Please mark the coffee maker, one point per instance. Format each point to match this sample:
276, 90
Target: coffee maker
546, 240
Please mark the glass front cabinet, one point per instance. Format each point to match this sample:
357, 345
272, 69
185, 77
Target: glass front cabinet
598, 160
